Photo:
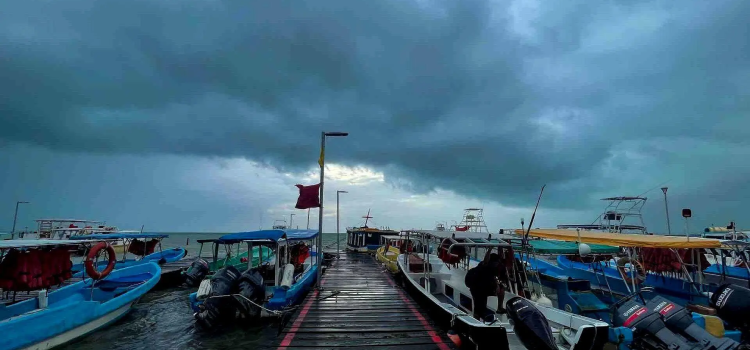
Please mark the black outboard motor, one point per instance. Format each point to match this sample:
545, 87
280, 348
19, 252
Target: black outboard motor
251, 287
732, 304
217, 307
195, 274
530, 325
680, 320
647, 325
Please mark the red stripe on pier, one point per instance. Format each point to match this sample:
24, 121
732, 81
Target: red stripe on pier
430, 331
298, 322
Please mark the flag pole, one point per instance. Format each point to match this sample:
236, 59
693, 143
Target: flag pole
320, 209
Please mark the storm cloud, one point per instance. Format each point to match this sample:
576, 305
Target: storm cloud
489, 99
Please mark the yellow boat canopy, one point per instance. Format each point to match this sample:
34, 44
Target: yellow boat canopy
624, 240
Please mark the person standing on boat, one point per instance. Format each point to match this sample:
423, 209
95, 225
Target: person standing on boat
484, 281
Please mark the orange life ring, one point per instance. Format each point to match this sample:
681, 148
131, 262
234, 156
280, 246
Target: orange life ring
91, 270
640, 275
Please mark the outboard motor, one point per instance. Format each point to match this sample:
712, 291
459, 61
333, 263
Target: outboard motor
649, 330
530, 325
219, 305
732, 304
679, 320
251, 287
195, 274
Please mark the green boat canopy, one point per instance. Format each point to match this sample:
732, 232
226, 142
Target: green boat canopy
560, 247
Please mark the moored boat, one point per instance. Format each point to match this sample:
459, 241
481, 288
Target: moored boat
62, 312
365, 238
209, 261
267, 290
440, 279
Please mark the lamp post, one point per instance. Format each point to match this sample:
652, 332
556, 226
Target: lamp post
321, 162
337, 223
666, 209
291, 216
308, 218
15, 217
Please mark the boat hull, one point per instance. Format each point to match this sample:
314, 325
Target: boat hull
75, 310
365, 240
83, 330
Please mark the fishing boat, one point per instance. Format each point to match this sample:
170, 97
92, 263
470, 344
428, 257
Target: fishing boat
62, 311
364, 238
267, 290
517, 323
211, 260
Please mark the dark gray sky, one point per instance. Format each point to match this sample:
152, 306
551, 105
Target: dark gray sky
202, 115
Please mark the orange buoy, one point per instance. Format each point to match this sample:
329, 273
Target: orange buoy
91, 270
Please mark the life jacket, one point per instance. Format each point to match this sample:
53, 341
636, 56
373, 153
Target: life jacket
453, 257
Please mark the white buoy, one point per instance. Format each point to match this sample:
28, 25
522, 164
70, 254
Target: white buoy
544, 301
584, 249
287, 278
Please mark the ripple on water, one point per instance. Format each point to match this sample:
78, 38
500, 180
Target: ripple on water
163, 320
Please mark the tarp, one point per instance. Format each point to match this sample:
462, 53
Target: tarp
625, 240
560, 247
271, 235
106, 236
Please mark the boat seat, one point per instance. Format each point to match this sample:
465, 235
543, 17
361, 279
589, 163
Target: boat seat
700, 309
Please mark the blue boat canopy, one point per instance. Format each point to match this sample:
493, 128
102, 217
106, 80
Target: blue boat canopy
271, 235
106, 236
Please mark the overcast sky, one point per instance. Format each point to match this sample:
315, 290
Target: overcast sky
203, 115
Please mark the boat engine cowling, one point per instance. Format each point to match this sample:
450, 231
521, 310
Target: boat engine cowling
530, 325
732, 304
649, 328
219, 306
196, 273
252, 293
680, 320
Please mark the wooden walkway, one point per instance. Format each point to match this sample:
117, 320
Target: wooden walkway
360, 306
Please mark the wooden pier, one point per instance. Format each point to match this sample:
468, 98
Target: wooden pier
360, 306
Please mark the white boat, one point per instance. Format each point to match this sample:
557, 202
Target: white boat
444, 286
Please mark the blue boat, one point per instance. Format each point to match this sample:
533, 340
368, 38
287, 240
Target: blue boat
74, 310
136, 244
272, 287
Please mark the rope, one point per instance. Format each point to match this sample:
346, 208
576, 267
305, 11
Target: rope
273, 312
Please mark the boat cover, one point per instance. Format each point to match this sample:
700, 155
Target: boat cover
560, 247
271, 235
625, 240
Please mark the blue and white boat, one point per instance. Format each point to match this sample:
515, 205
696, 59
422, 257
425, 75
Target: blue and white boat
58, 315
273, 286
143, 246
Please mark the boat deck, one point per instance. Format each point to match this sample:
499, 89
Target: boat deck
360, 306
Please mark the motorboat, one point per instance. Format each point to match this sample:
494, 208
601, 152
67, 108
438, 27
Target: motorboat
265, 290
518, 323
211, 260
59, 311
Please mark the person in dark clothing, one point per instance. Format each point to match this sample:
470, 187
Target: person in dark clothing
483, 282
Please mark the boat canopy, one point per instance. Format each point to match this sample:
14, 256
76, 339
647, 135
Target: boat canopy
31, 243
109, 236
271, 235
624, 239
560, 247
466, 234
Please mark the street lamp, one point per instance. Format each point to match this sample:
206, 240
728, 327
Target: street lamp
321, 162
666, 209
15, 216
337, 224
291, 216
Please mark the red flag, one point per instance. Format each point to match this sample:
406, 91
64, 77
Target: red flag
308, 197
